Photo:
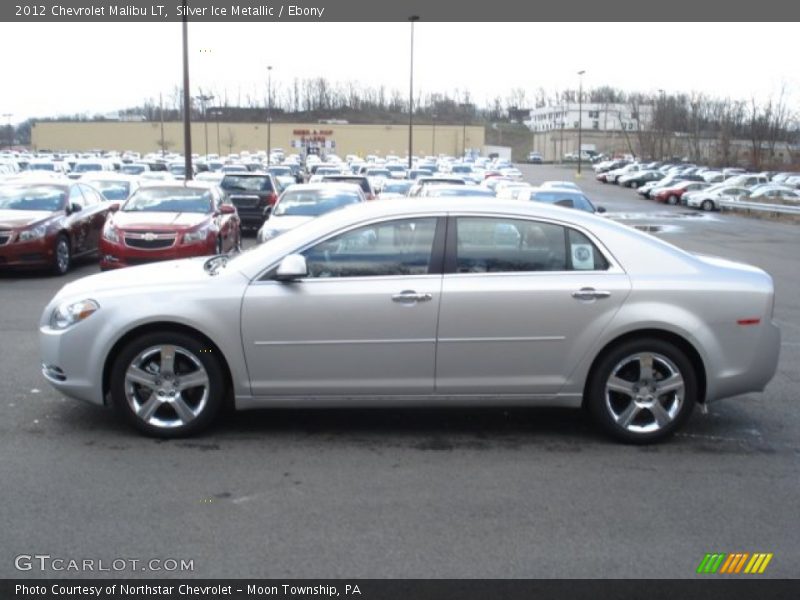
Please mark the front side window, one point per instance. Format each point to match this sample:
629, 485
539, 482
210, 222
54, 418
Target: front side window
492, 245
399, 247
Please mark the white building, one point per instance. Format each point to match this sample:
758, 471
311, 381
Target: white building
600, 117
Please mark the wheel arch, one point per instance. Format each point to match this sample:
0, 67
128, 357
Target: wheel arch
668, 336
162, 327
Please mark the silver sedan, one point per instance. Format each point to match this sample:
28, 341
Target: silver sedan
421, 302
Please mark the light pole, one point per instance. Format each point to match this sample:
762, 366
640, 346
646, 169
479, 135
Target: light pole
217, 112
10, 130
203, 99
412, 19
580, 119
269, 115
661, 125
433, 142
187, 102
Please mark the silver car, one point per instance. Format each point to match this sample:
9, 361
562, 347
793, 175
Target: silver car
421, 302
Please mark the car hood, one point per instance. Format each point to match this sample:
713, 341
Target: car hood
11, 219
121, 281
157, 220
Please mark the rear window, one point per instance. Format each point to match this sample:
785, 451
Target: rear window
305, 203
360, 181
246, 183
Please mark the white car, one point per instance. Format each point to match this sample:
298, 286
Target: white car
708, 199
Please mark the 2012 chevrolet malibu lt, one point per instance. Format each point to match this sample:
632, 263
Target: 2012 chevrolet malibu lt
421, 302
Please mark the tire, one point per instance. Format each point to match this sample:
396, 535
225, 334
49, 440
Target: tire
62, 255
672, 200
707, 205
238, 246
175, 411
219, 244
621, 399
634, 185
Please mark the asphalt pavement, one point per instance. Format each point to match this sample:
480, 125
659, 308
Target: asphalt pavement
493, 493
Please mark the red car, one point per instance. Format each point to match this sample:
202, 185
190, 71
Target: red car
47, 223
170, 221
672, 194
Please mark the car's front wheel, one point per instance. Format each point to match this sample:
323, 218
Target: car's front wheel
642, 391
672, 199
168, 384
708, 205
62, 255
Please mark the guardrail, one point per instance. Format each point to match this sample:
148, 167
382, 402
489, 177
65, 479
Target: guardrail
759, 207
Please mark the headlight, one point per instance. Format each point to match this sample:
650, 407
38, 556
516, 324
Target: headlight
34, 233
111, 233
69, 313
264, 235
199, 235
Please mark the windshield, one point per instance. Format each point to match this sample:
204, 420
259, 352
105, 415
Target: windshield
246, 183
113, 190
42, 166
462, 169
280, 170
397, 187
86, 167
132, 169
313, 203
465, 192
169, 200
565, 198
379, 173
40, 197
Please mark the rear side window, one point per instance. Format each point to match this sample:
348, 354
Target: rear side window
497, 245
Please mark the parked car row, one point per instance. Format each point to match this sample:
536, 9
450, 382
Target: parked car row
698, 187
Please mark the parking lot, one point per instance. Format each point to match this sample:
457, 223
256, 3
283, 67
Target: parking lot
412, 493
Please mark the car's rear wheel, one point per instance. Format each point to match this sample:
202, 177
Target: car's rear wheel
168, 384
642, 391
672, 199
707, 205
62, 255
634, 185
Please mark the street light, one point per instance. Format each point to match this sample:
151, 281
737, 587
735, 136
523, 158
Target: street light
269, 115
433, 143
11, 131
580, 119
661, 126
203, 99
187, 103
412, 19
217, 112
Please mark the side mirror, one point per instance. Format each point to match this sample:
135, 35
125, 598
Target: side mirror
292, 267
601, 209
74, 207
113, 207
227, 209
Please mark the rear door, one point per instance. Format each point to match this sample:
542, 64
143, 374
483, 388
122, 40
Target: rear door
522, 299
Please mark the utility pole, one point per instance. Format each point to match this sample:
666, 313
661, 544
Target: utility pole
580, 119
412, 19
161, 115
269, 115
187, 102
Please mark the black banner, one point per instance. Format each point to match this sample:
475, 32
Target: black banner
404, 589
393, 10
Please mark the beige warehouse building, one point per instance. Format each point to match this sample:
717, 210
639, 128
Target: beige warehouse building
226, 138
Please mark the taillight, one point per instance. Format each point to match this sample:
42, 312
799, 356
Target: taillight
272, 198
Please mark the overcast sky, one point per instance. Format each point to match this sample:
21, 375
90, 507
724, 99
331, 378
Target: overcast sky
51, 69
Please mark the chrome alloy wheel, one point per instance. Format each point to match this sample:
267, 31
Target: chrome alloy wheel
166, 386
644, 392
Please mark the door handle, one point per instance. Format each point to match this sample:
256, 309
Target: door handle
410, 296
588, 293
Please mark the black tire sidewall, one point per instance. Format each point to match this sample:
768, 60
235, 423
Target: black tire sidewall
210, 363
56, 268
595, 400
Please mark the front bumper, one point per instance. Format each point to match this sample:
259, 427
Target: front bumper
115, 256
33, 254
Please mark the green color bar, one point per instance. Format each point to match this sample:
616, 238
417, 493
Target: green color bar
702, 567
716, 564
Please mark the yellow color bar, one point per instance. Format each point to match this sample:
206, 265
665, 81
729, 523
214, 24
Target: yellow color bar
754, 563
764, 564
